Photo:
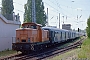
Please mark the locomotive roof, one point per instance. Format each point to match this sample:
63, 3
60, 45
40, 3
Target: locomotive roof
31, 23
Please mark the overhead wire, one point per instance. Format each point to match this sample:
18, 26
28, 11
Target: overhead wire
62, 12
18, 9
18, 3
57, 9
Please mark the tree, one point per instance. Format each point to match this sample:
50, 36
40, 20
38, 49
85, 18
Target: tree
88, 28
7, 9
40, 13
28, 11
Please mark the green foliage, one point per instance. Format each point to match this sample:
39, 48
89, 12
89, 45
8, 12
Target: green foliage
7, 8
28, 11
88, 28
40, 13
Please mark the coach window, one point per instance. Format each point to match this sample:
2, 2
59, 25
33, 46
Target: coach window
53, 33
68, 34
72, 34
65, 35
61, 35
56, 35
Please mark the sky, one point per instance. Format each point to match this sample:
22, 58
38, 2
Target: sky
69, 11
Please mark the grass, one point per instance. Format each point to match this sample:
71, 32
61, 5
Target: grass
85, 50
6, 53
80, 53
66, 56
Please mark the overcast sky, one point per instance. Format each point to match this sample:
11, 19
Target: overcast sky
70, 9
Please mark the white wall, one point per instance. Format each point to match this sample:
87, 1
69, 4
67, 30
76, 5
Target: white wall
7, 31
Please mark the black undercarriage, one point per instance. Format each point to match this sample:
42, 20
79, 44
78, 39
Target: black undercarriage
29, 47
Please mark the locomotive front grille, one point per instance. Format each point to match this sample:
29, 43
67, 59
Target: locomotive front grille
23, 40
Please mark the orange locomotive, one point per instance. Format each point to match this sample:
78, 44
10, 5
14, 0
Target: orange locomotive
30, 37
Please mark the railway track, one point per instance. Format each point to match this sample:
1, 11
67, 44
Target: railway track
45, 54
59, 51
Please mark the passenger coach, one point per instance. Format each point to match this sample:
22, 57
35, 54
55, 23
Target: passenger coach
60, 35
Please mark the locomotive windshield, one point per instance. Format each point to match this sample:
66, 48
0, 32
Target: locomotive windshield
30, 26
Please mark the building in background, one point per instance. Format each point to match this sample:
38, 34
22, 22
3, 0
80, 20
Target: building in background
66, 26
7, 31
53, 26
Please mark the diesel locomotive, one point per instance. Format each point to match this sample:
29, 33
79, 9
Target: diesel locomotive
33, 37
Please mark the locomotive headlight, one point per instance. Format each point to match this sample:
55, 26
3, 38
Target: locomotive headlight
28, 39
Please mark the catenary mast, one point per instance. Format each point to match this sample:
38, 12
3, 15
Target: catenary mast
33, 11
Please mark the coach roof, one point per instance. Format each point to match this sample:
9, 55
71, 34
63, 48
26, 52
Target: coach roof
56, 29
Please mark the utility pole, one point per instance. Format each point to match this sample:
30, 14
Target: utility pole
59, 20
66, 18
63, 19
77, 17
47, 18
33, 11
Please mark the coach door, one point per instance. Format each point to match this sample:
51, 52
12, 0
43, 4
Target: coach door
61, 36
65, 35
51, 36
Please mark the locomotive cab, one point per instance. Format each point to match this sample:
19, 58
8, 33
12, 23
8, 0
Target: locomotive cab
29, 33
